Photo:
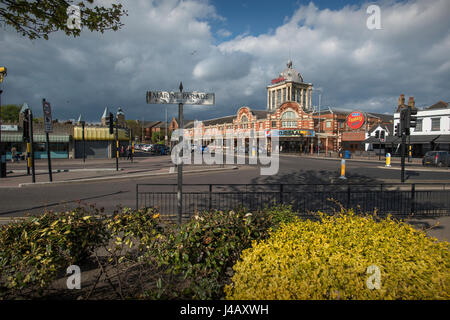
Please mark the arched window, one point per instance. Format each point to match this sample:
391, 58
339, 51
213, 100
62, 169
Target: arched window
289, 119
244, 122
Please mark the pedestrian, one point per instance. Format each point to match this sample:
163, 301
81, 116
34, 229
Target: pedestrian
121, 152
13, 154
129, 153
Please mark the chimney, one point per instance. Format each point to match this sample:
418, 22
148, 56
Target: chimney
411, 102
401, 100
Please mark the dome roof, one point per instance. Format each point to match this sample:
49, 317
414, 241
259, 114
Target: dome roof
290, 74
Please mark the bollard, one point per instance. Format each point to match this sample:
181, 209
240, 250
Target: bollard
342, 169
388, 160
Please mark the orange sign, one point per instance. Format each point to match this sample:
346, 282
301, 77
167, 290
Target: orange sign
355, 120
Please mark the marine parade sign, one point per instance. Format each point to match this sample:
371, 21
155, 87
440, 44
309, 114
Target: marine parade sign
166, 97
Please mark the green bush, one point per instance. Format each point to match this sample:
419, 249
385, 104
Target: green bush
134, 228
34, 250
329, 259
203, 250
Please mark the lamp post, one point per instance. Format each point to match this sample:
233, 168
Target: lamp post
318, 131
3, 73
83, 123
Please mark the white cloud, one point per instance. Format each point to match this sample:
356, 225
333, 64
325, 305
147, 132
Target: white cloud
165, 42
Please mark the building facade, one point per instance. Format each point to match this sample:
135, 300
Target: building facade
432, 131
289, 115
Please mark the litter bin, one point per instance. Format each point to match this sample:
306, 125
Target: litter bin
347, 154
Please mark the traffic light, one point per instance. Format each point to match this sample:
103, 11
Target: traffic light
412, 118
377, 134
110, 123
404, 115
382, 135
397, 130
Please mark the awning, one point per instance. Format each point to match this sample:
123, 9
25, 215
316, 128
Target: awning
18, 137
412, 139
421, 139
387, 140
443, 139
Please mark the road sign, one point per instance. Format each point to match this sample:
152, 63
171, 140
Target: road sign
166, 97
48, 123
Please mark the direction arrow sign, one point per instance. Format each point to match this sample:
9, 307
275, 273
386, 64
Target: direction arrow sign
165, 97
48, 123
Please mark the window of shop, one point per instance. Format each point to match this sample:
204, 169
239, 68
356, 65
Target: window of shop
298, 95
274, 124
435, 124
419, 123
328, 124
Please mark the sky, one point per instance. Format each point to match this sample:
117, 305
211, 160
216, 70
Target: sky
234, 48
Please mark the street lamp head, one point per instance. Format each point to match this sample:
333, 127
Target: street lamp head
3, 73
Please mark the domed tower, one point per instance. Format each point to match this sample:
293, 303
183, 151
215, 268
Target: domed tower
120, 117
289, 86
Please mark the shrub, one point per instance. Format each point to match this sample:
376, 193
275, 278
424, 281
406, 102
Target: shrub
329, 259
203, 250
134, 228
34, 250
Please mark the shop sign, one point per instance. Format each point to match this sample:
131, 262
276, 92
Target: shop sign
293, 133
355, 120
278, 80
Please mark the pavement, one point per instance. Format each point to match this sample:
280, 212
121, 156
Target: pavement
76, 171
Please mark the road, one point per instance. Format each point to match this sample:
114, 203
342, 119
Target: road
109, 194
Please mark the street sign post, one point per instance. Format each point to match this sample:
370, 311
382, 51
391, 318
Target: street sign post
180, 98
48, 125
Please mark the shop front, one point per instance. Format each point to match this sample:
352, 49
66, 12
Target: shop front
295, 140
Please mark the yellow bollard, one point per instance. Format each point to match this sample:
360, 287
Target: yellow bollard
388, 160
342, 169
28, 154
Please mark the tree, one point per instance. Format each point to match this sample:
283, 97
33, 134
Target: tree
10, 113
36, 19
136, 129
158, 137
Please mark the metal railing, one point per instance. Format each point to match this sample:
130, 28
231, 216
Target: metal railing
416, 199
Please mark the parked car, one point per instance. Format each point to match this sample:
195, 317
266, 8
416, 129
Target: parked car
436, 158
147, 147
160, 149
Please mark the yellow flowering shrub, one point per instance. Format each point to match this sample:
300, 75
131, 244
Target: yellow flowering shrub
334, 257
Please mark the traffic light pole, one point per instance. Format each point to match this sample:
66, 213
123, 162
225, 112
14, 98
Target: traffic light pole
2, 155
30, 131
117, 147
403, 157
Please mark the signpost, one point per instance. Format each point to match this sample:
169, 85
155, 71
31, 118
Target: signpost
180, 98
48, 126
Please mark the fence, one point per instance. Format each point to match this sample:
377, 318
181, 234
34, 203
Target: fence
417, 199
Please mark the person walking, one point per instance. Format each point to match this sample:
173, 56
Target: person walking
121, 152
129, 153
13, 154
